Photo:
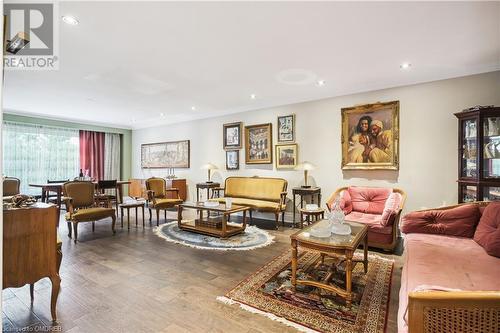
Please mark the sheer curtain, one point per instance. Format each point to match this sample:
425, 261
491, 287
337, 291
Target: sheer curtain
36, 153
112, 156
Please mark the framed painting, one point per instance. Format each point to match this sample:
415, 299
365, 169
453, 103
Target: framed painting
174, 154
232, 159
370, 137
232, 135
259, 144
286, 128
286, 156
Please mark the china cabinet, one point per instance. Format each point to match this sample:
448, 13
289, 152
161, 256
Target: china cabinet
479, 154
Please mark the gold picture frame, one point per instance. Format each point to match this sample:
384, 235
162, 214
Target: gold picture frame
259, 144
370, 137
286, 156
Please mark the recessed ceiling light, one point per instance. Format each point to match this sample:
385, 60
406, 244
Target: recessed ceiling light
193, 108
70, 20
253, 96
320, 83
405, 65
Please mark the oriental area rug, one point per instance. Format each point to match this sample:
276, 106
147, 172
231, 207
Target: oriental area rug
269, 292
252, 238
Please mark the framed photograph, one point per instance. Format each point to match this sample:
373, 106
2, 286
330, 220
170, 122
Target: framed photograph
232, 135
232, 159
173, 154
259, 144
370, 137
286, 128
286, 156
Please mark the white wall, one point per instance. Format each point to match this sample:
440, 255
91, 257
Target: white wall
428, 140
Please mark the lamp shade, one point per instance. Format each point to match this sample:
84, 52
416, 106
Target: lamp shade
305, 166
209, 166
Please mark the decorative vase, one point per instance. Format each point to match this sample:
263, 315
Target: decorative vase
337, 218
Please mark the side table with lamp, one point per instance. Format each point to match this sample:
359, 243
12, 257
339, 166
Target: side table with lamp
209, 184
305, 190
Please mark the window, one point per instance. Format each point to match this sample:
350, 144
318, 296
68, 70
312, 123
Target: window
37, 153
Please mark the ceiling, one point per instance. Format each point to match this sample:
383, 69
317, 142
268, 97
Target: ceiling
141, 64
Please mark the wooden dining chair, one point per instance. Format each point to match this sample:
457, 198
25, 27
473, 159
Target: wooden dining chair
103, 189
31, 249
82, 206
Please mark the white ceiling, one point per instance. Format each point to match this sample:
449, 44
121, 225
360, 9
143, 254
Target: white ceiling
128, 62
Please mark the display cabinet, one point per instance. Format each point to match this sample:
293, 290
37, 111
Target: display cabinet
479, 154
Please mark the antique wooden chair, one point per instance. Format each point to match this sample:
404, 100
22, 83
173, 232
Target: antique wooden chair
31, 248
157, 197
81, 206
10, 187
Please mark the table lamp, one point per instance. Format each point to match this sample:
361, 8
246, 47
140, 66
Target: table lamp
306, 166
209, 167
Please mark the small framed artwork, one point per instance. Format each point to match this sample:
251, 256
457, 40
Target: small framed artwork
232, 135
286, 128
232, 159
286, 156
259, 144
370, 137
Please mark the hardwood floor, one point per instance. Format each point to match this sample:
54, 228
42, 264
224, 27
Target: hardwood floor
135, 281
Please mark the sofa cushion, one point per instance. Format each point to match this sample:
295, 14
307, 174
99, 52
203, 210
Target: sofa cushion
258, 188
488, 230
90, 214
446, 261
345, 202
459, 221
369, 200
255, 204
391, 208
373, 221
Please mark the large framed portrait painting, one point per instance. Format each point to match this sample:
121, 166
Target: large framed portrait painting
370, 136
259, 144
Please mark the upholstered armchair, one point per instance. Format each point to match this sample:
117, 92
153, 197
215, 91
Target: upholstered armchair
378, 208
157, 197
81, 206
10, 187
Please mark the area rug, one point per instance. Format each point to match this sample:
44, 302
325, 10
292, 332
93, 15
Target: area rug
252, 238
268, 292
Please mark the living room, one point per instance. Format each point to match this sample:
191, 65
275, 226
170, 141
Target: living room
251, 167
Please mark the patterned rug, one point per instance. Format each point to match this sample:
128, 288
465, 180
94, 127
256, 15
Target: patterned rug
252, 238
268, 292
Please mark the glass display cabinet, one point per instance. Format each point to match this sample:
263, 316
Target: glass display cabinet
479, 154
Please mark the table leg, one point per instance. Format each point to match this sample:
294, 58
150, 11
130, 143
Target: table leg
294, 210
244, 219
136, 215
224, 221
197, 194
319, 199
294, 265
44, 194
312, 198
128, 218
365, 253
348, 279
179, 215
59, 190
121, 211
143, 217
301, 220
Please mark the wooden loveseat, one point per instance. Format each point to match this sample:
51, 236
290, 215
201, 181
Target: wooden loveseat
258, 193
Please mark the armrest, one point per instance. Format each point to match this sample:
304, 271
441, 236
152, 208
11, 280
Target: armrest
462, 308
174, 189
68, 202
283, 198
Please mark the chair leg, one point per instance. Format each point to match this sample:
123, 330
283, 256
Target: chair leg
150, 215
277, 218
56, 284
59, 258
251, 217
113, 222
75, 231
157, 217
32, 291
165, 215
283, 218
69, 229
93, 226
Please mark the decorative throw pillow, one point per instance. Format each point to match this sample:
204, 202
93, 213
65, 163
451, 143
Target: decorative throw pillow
488, 230
345, 202
391, 208
370, 200
459, 221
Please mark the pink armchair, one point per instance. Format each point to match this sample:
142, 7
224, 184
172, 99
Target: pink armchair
378, 208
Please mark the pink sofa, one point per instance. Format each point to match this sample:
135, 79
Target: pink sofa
441, 261
378, 208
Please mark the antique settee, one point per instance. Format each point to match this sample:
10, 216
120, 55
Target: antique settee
378, 208
451, 274
259, 193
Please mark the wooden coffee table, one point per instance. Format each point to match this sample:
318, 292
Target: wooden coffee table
341, 247
212, 220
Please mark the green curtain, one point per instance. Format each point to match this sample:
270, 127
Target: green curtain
37, 153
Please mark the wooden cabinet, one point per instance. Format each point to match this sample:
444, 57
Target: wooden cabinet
479, 154
138, 187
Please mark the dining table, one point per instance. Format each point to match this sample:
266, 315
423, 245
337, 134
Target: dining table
58, 189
